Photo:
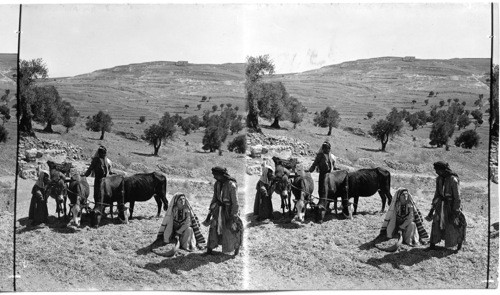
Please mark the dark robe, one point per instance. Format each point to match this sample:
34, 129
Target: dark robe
225, 212
263, 205
447, 206
38, 212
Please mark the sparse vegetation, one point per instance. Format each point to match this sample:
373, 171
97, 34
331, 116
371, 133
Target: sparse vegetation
477, 115
30, 71
426, 102
69, 115
468, 139
273, 102
327, 118
297, 111
238, 144
236, 125
214, 137
142, 119
441, 133
256, 68
4, 134
388, 128
369, 115
463, 121
156, 133
494, 102
100, 122
5, 113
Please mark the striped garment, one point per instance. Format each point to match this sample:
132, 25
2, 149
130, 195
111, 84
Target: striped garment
417, 218
165, 229
195, 224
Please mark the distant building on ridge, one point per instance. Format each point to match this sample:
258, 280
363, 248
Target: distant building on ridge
182, 63
409, 58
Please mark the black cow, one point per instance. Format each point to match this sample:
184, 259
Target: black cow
302, 189
360, 183
136, 188
78, 193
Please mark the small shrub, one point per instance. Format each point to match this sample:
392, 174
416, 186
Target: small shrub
142, 119
4, 134
238, 144
369, 115
468, 139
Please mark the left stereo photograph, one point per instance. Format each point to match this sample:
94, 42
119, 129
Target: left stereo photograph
8, 140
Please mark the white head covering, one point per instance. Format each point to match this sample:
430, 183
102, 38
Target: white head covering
166, 226
390, 217
41, 175
266, 166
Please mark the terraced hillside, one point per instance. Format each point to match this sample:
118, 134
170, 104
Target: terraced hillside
150, 89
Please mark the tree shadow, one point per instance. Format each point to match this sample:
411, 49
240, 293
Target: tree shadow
202, 152
269, 127
92, 138
187, 262
144, 155
409, 258
372, 150
431, 147
46, 132
322, 134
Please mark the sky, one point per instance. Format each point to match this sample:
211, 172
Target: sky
76, 39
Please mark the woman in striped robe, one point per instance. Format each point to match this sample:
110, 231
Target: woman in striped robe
181, 224
403, 218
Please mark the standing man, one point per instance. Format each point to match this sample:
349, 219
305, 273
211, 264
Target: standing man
448, 221
325, 162
100, 167
226, 227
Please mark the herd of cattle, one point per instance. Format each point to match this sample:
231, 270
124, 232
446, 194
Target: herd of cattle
338, 183
288, 180
115, 188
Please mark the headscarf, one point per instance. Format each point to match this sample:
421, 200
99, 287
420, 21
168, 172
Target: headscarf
222, 171
166, 226
105, 162
40, 181
389, 223
101, 148
265, 169
443, 166
327, 144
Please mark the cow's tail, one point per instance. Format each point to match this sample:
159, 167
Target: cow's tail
385, 182
163, 181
